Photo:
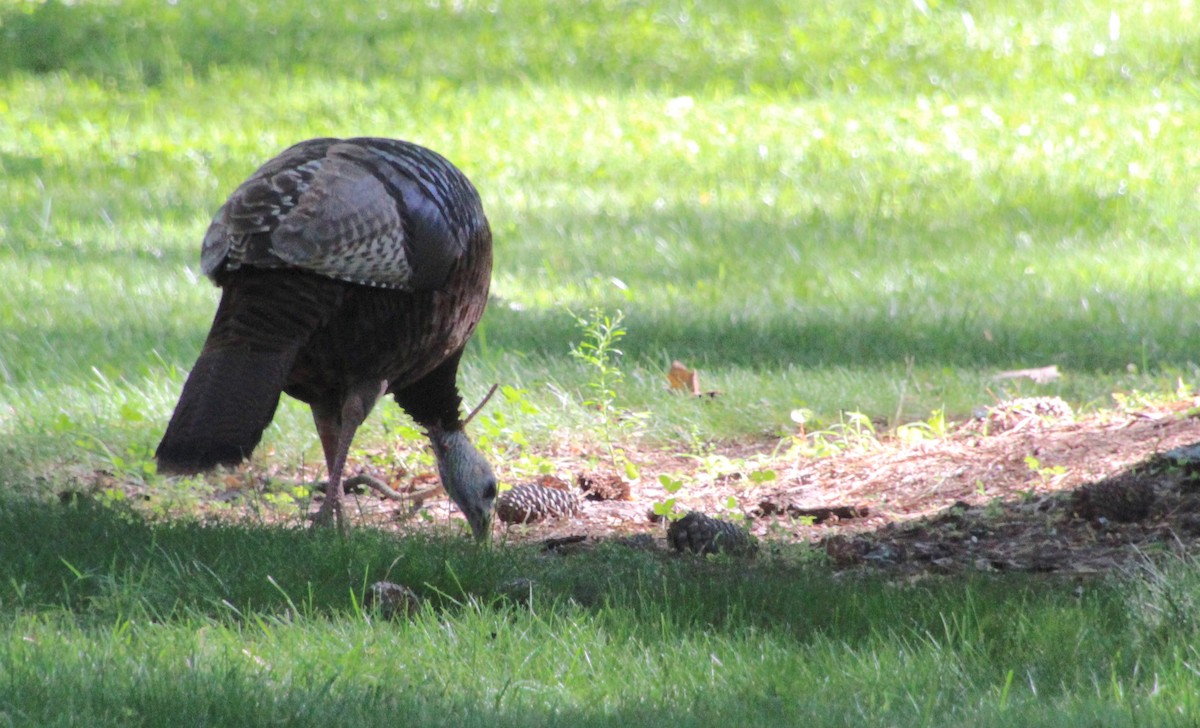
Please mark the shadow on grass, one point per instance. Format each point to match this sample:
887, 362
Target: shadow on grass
785, 339
235, 693
107, 562
120, 620
91, 567
754, 288
243, 699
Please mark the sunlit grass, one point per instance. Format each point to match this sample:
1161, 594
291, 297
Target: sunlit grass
877, 230
866, 208
778, 265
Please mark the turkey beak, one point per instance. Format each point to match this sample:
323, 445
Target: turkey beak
481, 526
467, 478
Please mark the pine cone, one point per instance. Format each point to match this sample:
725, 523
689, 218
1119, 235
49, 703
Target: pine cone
529, 503
603, 487
393, 600
1126, 498
519, 590
1032, 410
700, 534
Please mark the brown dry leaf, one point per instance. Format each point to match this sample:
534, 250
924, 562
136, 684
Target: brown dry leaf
552, 481
682, 378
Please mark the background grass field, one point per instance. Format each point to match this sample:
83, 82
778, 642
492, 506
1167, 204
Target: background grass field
866, 206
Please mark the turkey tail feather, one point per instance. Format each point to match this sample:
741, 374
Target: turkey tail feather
263, 321
228, 400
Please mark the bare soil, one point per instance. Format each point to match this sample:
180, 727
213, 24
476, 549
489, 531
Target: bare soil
1018, 491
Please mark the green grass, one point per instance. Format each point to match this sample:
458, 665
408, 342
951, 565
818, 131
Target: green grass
862, 206
113, 620
868, 208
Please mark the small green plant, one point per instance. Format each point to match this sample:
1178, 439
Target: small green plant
816, 446
598, 351
1045, 473
855, 432
499, 434
858, 431
715, 466
404, 448
994, 509
135, 462
667, 508
933, 428
731, 510
175, 497
288, 500
764, 475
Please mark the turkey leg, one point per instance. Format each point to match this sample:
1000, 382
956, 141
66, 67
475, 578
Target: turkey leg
336, 429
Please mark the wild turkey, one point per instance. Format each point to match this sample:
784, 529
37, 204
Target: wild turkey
349, 269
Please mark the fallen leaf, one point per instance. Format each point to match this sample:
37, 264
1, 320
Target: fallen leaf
682, 378
552, 481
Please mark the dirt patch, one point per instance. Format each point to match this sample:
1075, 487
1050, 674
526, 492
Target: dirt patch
1040, 491
1066, 495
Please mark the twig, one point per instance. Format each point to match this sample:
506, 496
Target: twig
374, 484
416, 500
481, 404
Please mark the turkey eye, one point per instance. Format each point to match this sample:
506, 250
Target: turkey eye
490, 491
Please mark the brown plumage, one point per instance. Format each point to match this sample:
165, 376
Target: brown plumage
349, 269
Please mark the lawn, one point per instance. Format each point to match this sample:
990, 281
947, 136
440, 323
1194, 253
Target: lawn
864, 207
116, 621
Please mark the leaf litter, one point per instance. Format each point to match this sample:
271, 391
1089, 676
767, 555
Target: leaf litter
1030, 488
1027, 489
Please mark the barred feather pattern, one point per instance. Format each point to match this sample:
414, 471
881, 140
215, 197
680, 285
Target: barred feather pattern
378, 212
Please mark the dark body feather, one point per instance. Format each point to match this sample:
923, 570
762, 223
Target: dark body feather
348, 269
